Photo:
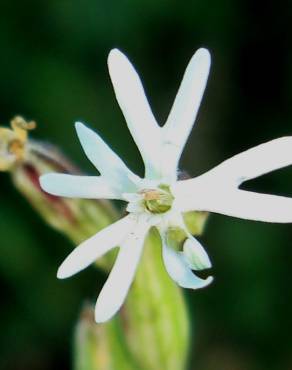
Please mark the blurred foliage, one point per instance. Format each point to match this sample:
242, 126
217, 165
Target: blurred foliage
53, 70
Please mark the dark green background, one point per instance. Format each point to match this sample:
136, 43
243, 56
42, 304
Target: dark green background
53, 69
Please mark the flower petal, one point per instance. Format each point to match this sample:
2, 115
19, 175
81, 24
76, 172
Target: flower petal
184, 111
135, 107
120, 279
94, 247
237, 203
108, 163
254, 206
91, 187
257, 161
217, 190
195, 254
179, 270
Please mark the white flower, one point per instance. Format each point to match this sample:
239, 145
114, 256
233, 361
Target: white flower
159, 199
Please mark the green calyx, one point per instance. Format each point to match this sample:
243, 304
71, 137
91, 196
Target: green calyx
158, 200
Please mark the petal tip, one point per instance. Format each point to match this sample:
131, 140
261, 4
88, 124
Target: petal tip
205, 282
115, 58
208, 264
61, 274
44, 181
79, 126
64, 271
114, 52
100, 316
83, 132
203, 57
47, 183
203, 53
209, 280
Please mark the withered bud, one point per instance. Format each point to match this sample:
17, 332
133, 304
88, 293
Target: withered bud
26, 160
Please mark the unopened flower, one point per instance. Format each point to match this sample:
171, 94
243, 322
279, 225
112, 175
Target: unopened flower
159, 199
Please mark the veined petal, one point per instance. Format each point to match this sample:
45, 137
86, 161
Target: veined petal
136, 110
96, 246
91, 187
108, 163
120, 279
257, 161
184, 111
179, 270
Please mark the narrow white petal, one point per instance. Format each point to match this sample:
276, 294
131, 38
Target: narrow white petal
108, 163
135, 107
256, 161
91, 187
195, 254
96, 246
184, 110
120, 279
254, 206
180, 272
231, 201
217, 190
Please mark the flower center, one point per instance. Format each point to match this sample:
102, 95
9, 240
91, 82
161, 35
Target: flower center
158, 200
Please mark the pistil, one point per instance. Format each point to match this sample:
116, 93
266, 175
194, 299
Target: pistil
158, 200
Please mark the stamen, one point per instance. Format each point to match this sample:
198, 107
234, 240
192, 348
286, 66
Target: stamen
150, 194
13, 142
19, 122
